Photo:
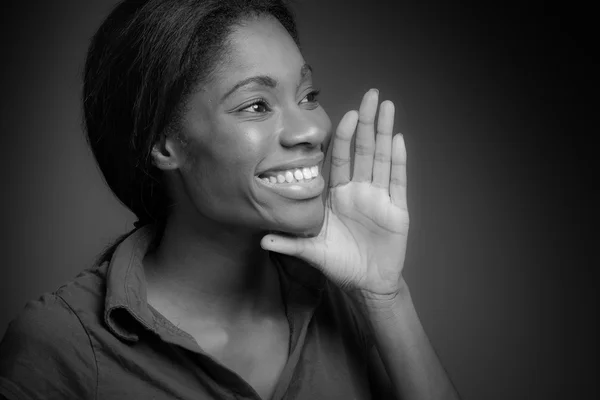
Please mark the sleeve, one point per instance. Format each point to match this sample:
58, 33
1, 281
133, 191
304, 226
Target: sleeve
46, 353
350, 313
361, 322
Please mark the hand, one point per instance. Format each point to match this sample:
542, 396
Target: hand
362, 244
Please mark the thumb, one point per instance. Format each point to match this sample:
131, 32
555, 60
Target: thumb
303, 248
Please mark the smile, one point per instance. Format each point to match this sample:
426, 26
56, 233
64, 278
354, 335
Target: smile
295, 184
290, 175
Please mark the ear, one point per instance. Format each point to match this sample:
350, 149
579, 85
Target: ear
166, 155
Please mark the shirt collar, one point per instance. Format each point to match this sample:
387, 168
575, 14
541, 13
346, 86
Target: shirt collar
126, 302
126, 306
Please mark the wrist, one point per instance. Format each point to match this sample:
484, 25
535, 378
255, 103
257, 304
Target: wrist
384, 306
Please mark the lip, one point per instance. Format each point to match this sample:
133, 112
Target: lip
297, 163
296, 190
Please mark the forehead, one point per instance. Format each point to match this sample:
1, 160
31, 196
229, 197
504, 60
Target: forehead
260, 46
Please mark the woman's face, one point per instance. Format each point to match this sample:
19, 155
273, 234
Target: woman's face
253, 139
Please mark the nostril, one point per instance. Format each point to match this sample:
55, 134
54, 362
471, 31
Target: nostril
304, 132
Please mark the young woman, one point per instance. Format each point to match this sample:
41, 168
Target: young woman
246, 277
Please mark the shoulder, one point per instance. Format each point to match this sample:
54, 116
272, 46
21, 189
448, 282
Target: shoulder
46, 351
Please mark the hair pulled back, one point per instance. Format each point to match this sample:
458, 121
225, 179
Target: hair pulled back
141, 66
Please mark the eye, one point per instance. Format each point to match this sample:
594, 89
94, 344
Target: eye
311, 97
257, 107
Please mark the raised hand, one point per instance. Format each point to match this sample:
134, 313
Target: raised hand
362, 244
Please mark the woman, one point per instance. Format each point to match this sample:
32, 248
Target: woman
245, 277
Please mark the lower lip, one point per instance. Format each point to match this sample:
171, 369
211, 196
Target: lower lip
296, 190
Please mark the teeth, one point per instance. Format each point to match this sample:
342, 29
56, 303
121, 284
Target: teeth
289, 177
306, 173
299, 174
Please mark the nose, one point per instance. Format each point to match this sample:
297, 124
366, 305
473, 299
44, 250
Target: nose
305, 127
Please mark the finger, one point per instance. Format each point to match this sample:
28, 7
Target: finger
303, 248
364, 146
383, 145
398, 178
340, 154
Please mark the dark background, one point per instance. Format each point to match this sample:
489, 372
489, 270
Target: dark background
497, 105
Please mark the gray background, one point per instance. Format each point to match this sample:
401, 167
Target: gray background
495, 105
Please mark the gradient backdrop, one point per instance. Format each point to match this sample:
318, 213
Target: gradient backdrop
496, 106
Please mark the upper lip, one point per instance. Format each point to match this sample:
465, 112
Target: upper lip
297, 163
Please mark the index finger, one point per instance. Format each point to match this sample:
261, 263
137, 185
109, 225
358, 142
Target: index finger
340, 154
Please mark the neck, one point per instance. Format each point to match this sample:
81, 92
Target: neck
210, 269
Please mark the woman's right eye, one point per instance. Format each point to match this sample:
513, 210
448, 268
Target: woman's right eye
257, 107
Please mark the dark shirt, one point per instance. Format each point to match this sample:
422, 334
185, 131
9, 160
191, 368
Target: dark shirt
97, 337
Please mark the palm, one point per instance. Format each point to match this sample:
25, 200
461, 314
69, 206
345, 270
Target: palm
365, 235
362, 243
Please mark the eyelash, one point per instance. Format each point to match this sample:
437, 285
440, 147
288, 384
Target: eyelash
261, 101
315, 93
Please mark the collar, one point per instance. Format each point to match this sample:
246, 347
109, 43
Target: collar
127, 312
126, 306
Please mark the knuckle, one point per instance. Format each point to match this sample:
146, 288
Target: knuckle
363, 149
379, 185
397, 182
381, 157
339, 136
339, 161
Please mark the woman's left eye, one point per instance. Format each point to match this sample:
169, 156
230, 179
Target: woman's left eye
311, 97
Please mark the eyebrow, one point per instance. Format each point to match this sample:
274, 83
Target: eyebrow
264, 80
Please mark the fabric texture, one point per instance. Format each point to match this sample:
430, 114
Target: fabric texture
97, 337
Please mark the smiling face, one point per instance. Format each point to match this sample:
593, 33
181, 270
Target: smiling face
251, 138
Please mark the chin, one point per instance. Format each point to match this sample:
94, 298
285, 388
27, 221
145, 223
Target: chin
301, 221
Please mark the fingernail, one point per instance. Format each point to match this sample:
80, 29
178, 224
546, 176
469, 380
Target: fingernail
375, 90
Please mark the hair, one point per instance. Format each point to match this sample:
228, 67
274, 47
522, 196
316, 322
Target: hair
141, 67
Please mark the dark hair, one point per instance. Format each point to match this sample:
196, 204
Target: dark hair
141, 66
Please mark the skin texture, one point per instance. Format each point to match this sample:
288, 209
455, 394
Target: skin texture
227, 140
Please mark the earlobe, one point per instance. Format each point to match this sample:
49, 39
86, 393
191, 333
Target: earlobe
163, 154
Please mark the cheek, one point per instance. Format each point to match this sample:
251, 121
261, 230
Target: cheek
228, 156
325, 124
249, 146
